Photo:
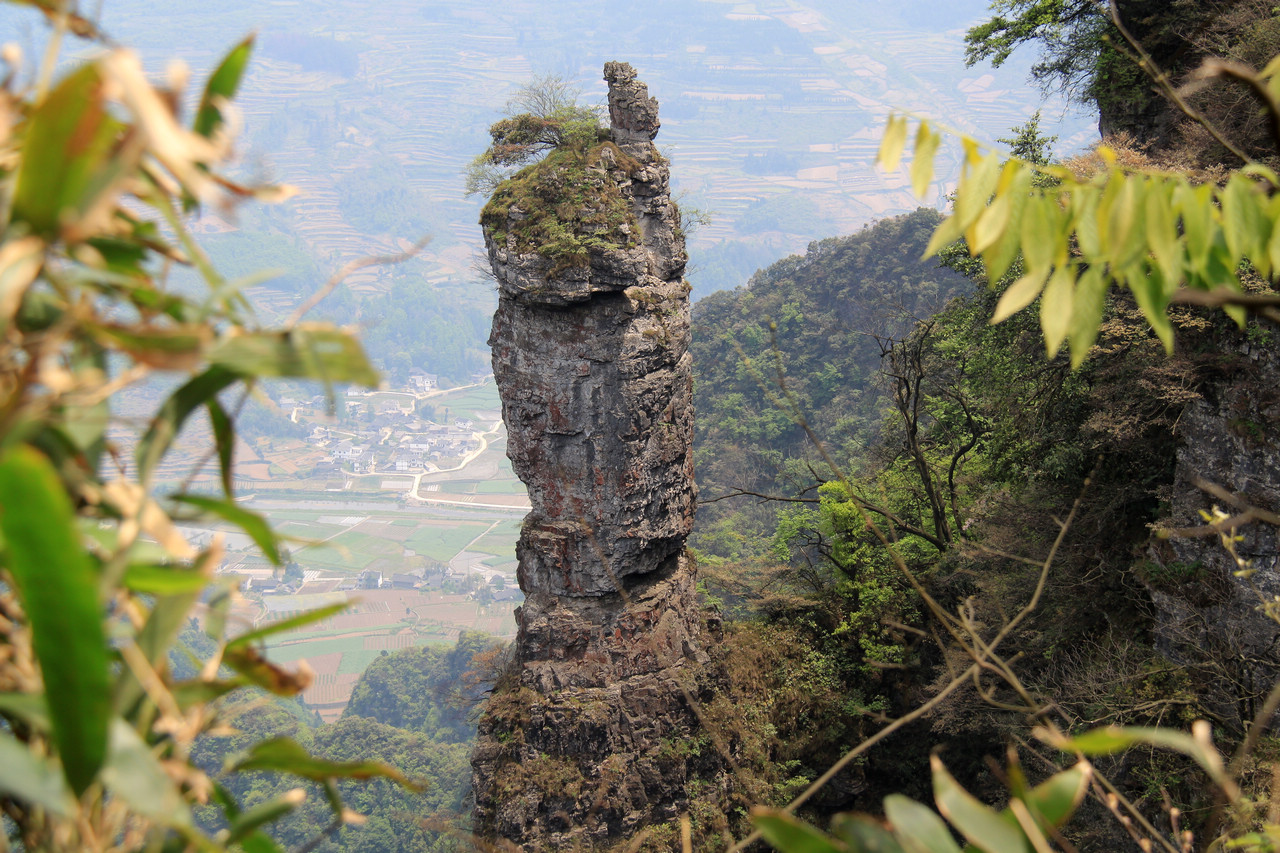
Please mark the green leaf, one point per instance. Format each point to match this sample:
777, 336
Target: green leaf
895, 139
168, 421
1056, 307
1086, 313
1084, 221
1196, 208
985, 829
922, 163
1162, 233
1240, 217
222, 86
1149, 292
1057, 798
32, 779
313, 351
864, 834
248, 521
249, 822
224, 439
69, 156
1112, 739
1019, 295
918, 827
28, 707
135, 775
59, 591
164, 580
792, 835
285, 756
286, 625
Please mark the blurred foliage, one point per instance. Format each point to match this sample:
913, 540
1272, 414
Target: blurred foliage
99, 179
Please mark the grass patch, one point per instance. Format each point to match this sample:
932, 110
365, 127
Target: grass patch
442, 542
315, 648
357, 661
500, 487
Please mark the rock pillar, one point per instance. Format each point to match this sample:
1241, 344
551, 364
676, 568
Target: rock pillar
590, 352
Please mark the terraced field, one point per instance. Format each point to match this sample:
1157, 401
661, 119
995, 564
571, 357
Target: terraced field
809, 80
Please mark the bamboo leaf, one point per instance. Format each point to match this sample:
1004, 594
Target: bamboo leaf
163, 580
289, 624
222, 86
32, 779
58, 587
310, 351
864, 834
1112, 739
135, 775
1053, 801
917, 827
168, 421
789, 833
247, 824
248, 521
224, 439
985, 829
69, 156
285, 756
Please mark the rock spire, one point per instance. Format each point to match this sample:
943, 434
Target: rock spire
590, 352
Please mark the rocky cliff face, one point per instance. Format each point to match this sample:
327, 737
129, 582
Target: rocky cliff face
586, 742
1209, 616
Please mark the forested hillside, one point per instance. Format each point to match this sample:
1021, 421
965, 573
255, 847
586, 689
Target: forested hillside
817, 322
413, 709
910, 476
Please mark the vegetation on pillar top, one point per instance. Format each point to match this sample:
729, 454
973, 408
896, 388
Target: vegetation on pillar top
564, 204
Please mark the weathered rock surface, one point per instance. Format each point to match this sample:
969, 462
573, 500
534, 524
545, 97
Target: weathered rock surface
1207, 617
581, 744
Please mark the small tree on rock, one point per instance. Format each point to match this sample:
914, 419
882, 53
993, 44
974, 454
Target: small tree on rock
544, 115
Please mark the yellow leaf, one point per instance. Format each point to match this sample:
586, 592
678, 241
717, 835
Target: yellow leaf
895, 139
1086, 313
948, 232
977, 183
1162, 234
1196, 208
1056, 306
922, 164
1084, 211
1019, 295
1038, 232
